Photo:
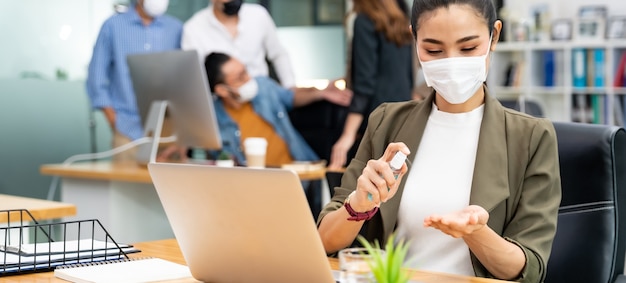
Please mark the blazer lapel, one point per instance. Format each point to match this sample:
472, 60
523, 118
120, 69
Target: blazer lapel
490, 181
410, 132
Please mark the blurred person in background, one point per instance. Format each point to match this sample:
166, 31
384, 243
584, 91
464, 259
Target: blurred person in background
245, 31
381, 67
248, 106
142, 29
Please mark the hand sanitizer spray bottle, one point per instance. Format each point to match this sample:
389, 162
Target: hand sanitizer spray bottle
396, 165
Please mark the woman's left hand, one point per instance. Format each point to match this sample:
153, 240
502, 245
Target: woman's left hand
461, 223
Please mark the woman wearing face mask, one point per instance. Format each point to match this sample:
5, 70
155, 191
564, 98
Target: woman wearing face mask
482, 194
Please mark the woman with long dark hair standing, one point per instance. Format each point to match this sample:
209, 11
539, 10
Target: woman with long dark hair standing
381, 68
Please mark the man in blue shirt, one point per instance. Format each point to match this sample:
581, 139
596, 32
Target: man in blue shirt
249, 107
142, 29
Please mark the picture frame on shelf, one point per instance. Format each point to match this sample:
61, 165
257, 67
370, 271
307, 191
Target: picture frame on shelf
590, 29
519, 31
592, 11
616, 28
561, 29
540, 30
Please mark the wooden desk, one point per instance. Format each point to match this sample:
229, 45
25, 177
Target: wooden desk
128, 172
121, 196
169, 250
40, 209
100, 170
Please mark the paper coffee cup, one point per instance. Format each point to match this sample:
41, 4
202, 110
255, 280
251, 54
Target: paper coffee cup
255, 149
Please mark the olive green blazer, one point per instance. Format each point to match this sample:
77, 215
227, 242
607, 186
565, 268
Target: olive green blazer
516, 176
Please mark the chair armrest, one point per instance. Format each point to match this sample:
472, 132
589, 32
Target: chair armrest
620, 279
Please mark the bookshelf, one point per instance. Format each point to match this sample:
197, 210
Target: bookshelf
571, 81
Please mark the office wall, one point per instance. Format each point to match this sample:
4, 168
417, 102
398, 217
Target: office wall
43, 105
43, 37
42, 122
292, 12
315, 52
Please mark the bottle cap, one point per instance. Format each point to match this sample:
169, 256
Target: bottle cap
396, 162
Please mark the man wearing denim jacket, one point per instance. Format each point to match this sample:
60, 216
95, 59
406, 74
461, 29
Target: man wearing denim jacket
258, 107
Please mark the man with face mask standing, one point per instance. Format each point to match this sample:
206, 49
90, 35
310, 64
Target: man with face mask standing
142, 29
245, 31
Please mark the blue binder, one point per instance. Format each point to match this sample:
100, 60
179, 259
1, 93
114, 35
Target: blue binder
579, 67
548, 62
598, 68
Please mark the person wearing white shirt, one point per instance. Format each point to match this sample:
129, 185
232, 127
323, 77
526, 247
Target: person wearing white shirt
245, 31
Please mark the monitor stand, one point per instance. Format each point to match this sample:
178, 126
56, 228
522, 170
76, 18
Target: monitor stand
147, 153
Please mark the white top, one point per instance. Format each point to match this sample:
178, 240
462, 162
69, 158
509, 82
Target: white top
439, 182
256, 39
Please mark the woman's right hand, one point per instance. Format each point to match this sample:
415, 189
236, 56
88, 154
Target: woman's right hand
378, 180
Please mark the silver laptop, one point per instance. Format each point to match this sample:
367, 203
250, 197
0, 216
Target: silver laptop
236, 224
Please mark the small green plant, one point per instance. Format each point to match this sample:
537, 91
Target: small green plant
223, 155
387, 266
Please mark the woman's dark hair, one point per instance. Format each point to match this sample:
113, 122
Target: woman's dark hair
484, 8
404, 7
388, 18
213, 64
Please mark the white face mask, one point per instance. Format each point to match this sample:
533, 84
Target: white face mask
155, 8
248, 91
456, 79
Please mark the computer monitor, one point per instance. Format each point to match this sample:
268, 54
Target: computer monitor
175, 80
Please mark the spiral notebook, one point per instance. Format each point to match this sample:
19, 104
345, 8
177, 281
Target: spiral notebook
125, 270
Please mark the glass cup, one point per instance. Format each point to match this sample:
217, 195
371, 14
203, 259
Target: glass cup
354, 267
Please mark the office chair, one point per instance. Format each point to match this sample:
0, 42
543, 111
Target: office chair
320, 124
334, 180
530, 107
590, 242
